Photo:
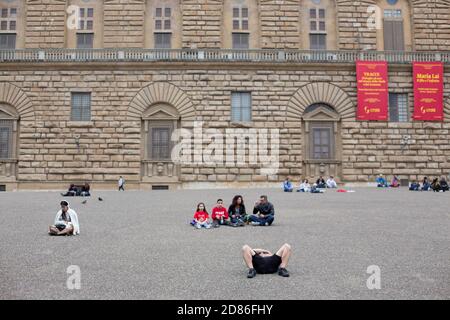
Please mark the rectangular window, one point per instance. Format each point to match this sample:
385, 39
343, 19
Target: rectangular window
163, 22
159, 142
393, 35
241, 40
398, 107
81, 106
163, 40
241, 107
318, 41
8, 19
85, 40
7, 40
6, 128
317, 28
240, 18
321, 144
86, 21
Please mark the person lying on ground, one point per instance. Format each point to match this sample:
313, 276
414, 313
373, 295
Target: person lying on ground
264, 262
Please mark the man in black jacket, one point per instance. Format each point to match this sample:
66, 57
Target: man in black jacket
263, 212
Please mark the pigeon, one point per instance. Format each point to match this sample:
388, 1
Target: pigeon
100, 199
84, 202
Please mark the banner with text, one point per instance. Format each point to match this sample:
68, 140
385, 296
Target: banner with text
428, 91
372, 81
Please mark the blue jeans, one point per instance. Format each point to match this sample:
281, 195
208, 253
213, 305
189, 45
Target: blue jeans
262, 221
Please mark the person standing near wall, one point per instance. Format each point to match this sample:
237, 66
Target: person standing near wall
121, 184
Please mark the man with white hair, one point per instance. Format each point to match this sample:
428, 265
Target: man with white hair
66, 222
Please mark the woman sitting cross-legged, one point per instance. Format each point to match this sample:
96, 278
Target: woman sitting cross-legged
66, 222
237, 213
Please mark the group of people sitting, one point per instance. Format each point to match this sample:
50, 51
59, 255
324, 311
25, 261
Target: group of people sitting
305, 186
236, 215
437, 185
76, 191
382, 182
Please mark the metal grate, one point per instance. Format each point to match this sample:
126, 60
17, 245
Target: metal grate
160, 187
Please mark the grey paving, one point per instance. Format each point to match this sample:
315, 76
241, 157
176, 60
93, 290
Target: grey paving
137, 245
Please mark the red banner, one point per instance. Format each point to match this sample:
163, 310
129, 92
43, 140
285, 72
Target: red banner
372, 81
428, 91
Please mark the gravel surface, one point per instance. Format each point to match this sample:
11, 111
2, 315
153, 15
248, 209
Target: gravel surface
138, 245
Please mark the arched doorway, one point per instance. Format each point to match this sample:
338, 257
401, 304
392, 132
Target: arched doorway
322, 142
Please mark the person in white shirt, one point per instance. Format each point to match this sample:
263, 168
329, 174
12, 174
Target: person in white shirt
331, 183
121, 183
304, 186
66, 222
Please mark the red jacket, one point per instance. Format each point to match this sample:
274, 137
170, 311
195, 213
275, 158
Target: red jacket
218, 213
201, 216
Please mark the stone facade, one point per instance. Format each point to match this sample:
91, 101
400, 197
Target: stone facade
52, 150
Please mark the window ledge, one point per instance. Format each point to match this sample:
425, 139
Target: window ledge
80, 124
9, 160
241, 124
324, 161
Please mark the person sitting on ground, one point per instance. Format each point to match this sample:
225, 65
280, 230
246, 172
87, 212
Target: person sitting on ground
264, 262
304, 186
435, 186
443, 183
85, 190
66, 222
320, 183
381, 182
72, 192
415, 186
287, 185
426, 185
201, 217
331, 183
237, 213
219, 215
395, 182
263, 213
315, 189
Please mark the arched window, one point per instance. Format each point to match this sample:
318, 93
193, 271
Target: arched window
394, 32
12, 26
163, 24
319, 24
84, 24
240, 24
8, 132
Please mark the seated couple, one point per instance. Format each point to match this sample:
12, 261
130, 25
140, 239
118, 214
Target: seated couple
382, 182
66, 222
263, 214
439, 185
306, 187
75, 191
